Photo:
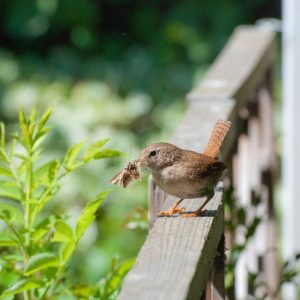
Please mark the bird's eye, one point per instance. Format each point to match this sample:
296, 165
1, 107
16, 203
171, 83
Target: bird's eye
152, 153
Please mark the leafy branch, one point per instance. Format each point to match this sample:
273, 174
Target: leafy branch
43, 247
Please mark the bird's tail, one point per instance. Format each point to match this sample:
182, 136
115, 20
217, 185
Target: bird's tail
216, 138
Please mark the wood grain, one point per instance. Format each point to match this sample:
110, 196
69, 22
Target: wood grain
175, 261
156, 198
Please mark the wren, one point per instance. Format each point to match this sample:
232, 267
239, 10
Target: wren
184, 173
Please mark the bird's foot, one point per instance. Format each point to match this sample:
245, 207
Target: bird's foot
173, 210
192, 214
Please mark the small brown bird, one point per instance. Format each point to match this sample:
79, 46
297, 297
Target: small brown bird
186, 174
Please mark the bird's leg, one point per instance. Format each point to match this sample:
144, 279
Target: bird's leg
172, 210
197, 212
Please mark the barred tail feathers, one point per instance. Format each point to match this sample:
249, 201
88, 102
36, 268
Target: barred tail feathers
216, 138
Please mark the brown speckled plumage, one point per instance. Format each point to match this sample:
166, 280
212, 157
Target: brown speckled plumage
179, 172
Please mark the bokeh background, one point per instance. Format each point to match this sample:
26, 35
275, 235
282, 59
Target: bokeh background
117, 69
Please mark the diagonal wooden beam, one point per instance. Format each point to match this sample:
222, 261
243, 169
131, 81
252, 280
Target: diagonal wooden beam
176, 258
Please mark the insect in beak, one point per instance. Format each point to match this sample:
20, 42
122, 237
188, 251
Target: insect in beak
128, 174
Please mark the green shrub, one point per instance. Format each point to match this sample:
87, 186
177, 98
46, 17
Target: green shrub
36, 245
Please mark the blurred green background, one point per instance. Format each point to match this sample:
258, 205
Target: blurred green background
117, 69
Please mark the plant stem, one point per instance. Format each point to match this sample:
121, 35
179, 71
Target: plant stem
12, 229
42, 201
28, 199
53, 282
26, 295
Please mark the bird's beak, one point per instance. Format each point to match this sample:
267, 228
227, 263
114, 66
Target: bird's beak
141, 162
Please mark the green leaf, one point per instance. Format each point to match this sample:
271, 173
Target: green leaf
66, 250
88, 214
46, 173
45, 118
41, 173
125, 266
40, 231
108, 153
252, 227
2, 134
6, 172
21, 156
31, 130
21, 286
93, 149
17, 137
38, 234
41, 261
24, 126
73, 153
22, 168
81, 291
12, 258
63, 232
44, 227
113, 281
53, 169
3, 156
39, 138
12, 148
10, 189
26, 135
12, 208
22, 117
8, 240
32, 116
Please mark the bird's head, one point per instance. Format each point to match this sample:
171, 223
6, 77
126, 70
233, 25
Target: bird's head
158, 156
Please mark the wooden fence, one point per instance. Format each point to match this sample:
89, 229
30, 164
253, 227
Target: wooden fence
183, 258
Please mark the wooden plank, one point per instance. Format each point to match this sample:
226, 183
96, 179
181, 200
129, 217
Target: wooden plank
215, 288
145, 281
176, 258
151, 202
194, 130
239, 68
156, 199
270, 261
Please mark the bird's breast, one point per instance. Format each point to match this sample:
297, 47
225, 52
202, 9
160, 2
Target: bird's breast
177, 182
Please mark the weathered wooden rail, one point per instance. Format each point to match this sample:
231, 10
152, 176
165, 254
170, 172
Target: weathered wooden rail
184, 258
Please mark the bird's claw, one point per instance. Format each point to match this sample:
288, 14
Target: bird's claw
194, 214
170, 212
190, 215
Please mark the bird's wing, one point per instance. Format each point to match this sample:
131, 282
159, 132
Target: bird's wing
213, 169
202, 166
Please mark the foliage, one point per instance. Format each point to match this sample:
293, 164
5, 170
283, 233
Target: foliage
152, 47
109, 287
37, 246
138, 219
111, 68
237, 219
289, 273
289, 270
